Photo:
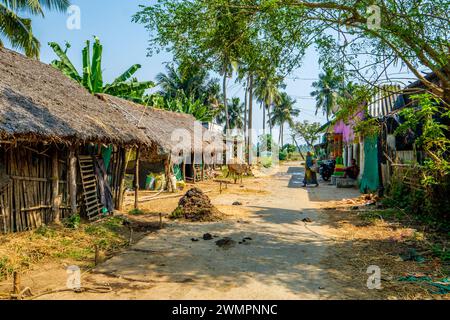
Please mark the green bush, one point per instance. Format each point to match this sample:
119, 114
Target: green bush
282, 155
266, 162
72, 222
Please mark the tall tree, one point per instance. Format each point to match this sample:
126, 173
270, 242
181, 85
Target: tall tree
382, 33
235, 114
326, 90
124, 86
17, 30
267, 91
189, 79
307, 131
284, 112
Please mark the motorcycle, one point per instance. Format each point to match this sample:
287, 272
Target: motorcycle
326, 169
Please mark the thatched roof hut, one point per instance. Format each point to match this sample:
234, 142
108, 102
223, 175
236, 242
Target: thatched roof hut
39, 103
158, 124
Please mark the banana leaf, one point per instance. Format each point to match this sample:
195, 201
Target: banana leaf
96, 69
124, 88
65, 65
87, 74
127, 74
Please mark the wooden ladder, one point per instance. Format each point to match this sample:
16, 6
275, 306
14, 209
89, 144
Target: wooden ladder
89, 182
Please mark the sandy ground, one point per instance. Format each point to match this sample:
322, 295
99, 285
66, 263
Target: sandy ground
283, 260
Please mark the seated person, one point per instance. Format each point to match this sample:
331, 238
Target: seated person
352, 172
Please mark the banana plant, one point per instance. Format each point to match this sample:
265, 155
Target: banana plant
124, 86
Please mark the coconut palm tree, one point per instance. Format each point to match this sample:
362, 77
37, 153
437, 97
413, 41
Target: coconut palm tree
267, 93
236, 111
190, 80
124, 86
17, 30
326, 92
283, 112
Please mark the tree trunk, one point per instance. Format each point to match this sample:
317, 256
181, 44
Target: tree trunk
73, 180
123, 169
250, 119
224, 88
245, 115
56, 201
136, 180
269, 117
282, 133
263, 106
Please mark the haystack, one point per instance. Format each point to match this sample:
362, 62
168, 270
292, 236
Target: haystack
196, 206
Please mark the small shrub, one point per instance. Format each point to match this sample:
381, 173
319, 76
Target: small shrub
45, 231
136, 212
177, 213
72, 222
266, 162
6, 268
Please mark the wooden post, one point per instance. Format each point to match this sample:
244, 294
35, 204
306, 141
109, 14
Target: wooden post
55, 188
16, 282
97, 256
194, 170
73, 180
123, 170
184, 169
203, 168
136, 180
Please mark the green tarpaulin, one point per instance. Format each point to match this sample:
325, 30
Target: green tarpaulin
370, 180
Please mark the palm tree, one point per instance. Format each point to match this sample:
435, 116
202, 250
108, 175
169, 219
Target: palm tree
236, 111
17, 30
189, 105
190, 80
123, 86
284, 112
326, 91
267, 92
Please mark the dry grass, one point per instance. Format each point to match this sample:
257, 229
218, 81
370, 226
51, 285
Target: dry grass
380, 237
21, 251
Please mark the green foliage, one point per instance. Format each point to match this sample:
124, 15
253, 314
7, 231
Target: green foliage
6, 268
266, 162
266, 144
124, 86
428, 118
45, 231
441, 252
136, 212
72, 222
326, 92
307, 131
282, 155
177, 213
235, 114
18, 30
289, 148
183, 104
421, 204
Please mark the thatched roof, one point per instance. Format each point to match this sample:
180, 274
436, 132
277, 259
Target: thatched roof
38, 102
158, 124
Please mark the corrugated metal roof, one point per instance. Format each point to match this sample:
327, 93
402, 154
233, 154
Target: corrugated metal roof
383, 102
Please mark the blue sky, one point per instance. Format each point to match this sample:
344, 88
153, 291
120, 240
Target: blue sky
125, 43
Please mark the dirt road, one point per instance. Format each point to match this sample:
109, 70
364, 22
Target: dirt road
281, 261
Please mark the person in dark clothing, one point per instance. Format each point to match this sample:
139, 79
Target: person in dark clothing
352, 172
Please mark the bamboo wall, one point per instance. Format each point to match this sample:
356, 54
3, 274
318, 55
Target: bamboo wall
26, 192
